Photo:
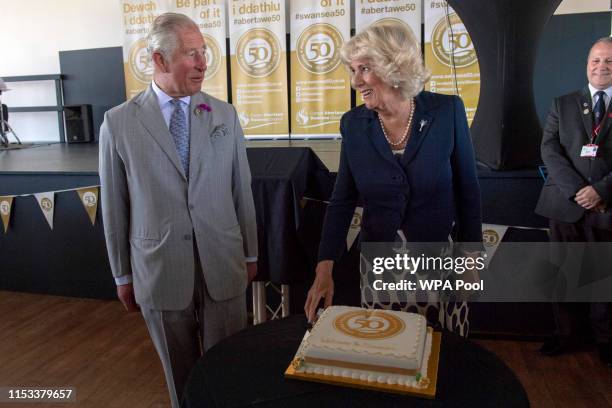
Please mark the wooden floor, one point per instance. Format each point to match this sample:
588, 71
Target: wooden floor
107, 356
92, 345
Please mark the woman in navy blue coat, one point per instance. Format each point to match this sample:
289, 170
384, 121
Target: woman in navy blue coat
406, 152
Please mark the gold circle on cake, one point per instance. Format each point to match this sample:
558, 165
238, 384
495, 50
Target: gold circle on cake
369, 324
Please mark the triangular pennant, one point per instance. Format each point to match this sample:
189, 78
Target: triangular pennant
492, 235
46, 201
354, 228
6, 203
89, 199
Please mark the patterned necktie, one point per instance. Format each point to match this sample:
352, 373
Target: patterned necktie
599, 111
180, 134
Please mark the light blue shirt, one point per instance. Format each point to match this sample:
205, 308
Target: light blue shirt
166, 107
607, 97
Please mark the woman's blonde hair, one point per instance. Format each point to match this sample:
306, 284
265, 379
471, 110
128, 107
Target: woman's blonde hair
394, 54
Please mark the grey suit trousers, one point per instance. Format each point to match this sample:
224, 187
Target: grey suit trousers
182, 336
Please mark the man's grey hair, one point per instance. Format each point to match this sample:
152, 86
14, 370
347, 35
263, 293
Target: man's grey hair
604, 40
163, 35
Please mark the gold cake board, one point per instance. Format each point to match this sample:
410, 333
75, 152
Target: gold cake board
429, 392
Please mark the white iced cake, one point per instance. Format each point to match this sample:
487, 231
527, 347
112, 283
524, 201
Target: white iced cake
381, 346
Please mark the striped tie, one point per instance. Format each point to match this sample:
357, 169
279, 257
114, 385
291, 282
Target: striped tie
599, 111
180, 134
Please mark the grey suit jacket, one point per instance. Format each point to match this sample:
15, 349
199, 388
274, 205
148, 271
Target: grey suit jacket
567, 129
151, 212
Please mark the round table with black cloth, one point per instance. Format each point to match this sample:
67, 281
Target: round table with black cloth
247, 369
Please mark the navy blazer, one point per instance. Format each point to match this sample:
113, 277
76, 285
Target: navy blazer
431, 186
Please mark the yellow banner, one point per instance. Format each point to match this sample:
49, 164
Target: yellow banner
450, 55
320, 85
370, 11
89, 199
258, 66
209, 15
137, 17
6, 203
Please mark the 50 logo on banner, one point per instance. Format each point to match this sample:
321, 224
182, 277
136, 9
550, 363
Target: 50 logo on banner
258, 52
453, 41
318, 48
139, 62
213, 56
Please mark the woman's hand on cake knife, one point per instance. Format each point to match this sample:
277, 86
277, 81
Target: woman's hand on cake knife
322, 287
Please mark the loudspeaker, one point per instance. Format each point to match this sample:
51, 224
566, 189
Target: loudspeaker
79, 124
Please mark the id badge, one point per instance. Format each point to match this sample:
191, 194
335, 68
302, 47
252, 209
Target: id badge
589, 150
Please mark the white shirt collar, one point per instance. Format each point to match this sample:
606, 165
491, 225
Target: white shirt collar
163, 98
593, 90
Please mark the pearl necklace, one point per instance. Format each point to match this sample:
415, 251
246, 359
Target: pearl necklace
399, 142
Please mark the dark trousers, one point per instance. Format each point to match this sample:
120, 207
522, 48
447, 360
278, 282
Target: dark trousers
576, 319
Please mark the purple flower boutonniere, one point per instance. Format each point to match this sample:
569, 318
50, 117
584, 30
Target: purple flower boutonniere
201, 108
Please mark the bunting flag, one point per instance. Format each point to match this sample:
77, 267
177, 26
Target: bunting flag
492, 235
46, 201
89, 199
405, 11
6, 203
136, 18
451, 56
354, 228
320, 87
259, 68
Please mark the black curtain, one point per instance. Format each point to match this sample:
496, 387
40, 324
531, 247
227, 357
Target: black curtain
506, 129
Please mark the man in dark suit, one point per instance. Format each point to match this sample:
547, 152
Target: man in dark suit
577, 197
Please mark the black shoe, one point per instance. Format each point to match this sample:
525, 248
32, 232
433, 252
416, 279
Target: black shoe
605, 353
553, 347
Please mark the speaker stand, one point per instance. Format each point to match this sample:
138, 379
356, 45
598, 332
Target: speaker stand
3, 123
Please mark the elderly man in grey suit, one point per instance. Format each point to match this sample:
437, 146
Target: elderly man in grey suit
577, 197
177, 205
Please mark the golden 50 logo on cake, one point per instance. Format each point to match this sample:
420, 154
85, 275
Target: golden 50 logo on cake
139, 62
318, 48
213, 56
368, 324
452, 45
258, 52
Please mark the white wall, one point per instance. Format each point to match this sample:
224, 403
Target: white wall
31, 35
582, 6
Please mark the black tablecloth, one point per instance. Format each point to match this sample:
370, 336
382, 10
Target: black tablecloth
281, 178
247, 370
